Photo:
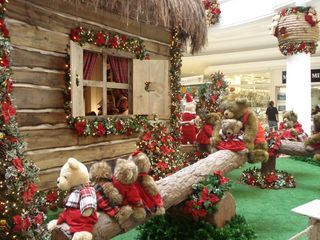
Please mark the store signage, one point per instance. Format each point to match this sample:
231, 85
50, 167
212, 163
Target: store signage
315, 76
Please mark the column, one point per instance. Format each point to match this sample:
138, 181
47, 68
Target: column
298, 88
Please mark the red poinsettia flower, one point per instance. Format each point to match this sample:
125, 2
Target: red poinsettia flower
207, 4
283, 12
152, 145
251, 180
214, 98
165, 150
26, 223
38, 219
118, 125
4, 61
219, 83
113, 41
123, 40
215, 11
199, 212
80, 127
129, 132
100, 130
223, 180
162, 166
51, 197
17, 222
100, 39
29, 193
294, 10
75, 34
309, 19
17, 163
271, 178
302, 46
9, 85
11, 139
3, 1
7, 111
213, 198
147, 136
291, 48
4, 29
178, 97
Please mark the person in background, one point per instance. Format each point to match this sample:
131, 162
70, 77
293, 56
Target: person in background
272, 116
315, 110
121, 102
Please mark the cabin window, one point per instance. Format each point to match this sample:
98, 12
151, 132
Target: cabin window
109, 82
106, 82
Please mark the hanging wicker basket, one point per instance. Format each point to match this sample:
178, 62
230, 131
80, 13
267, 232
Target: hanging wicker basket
297, 30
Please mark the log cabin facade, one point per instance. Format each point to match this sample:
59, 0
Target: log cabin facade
40, 35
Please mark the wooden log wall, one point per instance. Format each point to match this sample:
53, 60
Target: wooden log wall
40, 34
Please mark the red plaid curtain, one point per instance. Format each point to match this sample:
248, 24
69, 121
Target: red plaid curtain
89, 60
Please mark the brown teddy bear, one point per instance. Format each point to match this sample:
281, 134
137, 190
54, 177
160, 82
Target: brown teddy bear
148, 189
230, 136
312, 143
205, 134
124, 179
108, 197
255, 142
290, 128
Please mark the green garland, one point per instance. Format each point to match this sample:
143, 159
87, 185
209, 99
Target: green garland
20, 214
273, 180
175, 82
100, 126
206, 195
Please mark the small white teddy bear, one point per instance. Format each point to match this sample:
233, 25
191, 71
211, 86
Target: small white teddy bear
274, 24
79, 216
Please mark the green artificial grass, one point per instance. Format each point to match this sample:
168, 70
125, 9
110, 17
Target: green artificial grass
269, 211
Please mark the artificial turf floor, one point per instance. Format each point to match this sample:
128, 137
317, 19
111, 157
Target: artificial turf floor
269, 211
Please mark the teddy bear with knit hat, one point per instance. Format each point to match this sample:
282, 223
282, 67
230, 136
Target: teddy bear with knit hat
146, 185
79, 216
188, 121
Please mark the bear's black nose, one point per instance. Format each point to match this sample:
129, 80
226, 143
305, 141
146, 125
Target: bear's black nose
57, 181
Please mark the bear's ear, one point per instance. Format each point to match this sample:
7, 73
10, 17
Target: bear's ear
243, 101
120, 161
73, 163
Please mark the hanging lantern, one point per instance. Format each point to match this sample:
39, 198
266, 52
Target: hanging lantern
296, 29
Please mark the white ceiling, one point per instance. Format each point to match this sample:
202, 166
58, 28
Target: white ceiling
243, 48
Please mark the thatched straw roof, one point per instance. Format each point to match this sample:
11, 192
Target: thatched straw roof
189, 14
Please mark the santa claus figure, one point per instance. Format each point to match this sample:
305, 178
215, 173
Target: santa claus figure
189, 118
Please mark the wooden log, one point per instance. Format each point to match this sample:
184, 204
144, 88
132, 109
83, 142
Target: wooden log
29, 59
42, 139
226, 210
25, 11
51, 158
23, 34
32, 98
39, 78
90, 139
38, 118
176, 187
295, 149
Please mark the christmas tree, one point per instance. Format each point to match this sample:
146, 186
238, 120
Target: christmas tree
20, 217
211, 93
162, 149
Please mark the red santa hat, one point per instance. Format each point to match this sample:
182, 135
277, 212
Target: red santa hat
189, 98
